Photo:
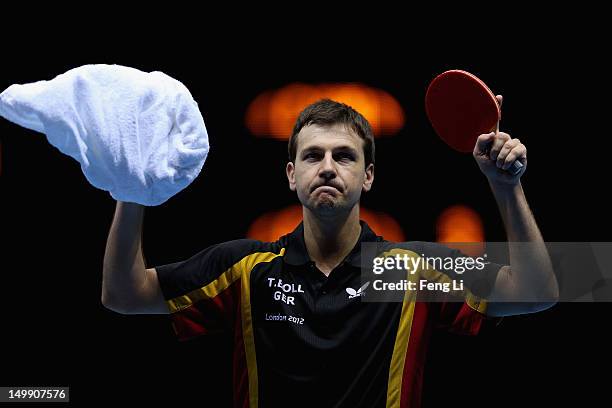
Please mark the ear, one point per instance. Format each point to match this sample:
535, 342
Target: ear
290, 169
369, 178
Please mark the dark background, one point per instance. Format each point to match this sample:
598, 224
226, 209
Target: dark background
54, 224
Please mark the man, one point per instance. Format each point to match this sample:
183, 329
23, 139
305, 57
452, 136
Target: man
303, 336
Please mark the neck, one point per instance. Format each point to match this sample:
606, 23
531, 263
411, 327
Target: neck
330, 239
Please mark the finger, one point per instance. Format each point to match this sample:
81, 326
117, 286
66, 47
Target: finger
517, 153
505, 150
500, 139
483, 142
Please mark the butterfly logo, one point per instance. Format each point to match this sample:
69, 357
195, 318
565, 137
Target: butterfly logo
359, 292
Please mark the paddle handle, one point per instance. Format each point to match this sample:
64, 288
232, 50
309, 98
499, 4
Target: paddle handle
516, 167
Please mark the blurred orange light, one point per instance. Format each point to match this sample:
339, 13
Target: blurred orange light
273, 113
383, 224
460, 224
271, 226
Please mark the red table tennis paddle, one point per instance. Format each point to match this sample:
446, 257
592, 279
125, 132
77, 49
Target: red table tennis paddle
460, 108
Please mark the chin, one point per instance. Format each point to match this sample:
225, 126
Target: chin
328, 207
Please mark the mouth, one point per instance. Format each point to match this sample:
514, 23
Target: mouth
326, 189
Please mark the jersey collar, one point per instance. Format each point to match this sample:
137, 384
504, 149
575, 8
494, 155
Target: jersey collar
296, 253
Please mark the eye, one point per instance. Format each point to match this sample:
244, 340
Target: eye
345, 157
310, 156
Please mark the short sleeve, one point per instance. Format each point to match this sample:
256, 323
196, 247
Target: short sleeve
465, 317
203, 292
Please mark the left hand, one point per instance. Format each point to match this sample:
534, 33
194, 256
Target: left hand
495, 153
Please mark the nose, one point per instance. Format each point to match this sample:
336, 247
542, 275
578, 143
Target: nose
327, 170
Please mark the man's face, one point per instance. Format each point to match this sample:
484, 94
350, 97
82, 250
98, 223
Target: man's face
329, 172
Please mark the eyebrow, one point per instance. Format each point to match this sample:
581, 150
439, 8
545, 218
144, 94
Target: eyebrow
344, 148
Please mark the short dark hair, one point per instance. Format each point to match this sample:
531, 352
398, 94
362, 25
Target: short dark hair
327, 113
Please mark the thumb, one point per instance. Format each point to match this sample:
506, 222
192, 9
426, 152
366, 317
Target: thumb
500, 100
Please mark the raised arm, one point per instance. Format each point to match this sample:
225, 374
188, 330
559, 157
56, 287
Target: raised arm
530, 274
128, 287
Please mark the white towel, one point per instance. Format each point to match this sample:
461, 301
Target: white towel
138, 135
